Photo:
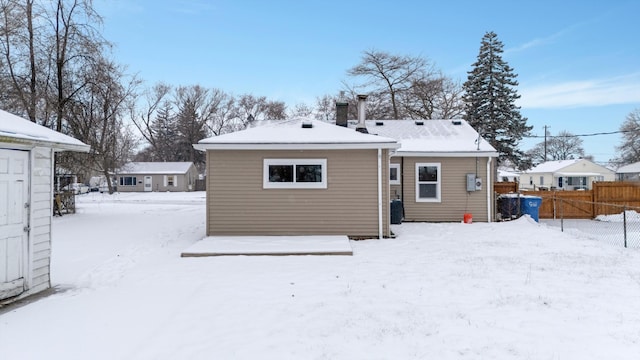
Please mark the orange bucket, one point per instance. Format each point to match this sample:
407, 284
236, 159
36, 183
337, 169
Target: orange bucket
468, 218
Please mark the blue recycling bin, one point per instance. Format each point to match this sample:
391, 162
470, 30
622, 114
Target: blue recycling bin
531, 205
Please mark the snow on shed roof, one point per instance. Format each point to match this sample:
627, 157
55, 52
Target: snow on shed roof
14, 129
175, 167
444, 137
292, 134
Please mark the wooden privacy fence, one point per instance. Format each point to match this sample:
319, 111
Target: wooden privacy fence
606, 198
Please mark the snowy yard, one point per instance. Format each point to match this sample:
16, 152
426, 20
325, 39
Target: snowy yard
514, 290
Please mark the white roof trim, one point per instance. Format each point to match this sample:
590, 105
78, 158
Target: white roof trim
445, 154
578, 174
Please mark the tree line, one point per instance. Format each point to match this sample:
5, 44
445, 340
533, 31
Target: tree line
57, 69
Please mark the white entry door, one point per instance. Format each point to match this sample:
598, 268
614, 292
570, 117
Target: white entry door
14, 222
148, 183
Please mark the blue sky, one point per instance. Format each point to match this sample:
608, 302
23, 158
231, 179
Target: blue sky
578, 62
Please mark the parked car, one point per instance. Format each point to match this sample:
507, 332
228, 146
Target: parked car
77, 188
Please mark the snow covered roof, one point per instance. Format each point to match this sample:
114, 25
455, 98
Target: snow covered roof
432, 137
17, 130
552, 166
506, 173
175, 167
629, 169
297, 134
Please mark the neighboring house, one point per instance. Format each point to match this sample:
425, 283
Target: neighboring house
629, 172
442, 170
505, 175
298, 177
573, 174
26, 203
156, 176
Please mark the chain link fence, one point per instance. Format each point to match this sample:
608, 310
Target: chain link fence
620, 228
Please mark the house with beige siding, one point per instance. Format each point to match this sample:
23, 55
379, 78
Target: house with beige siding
442, 170
572, 174
298, 177
26, 204
157, 176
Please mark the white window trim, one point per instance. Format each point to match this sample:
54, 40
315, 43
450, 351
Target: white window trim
134, 180
396, 181
266, 184
438, 183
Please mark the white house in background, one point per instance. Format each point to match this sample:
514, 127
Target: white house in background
629, 172
157, 176
573, 174
26, 203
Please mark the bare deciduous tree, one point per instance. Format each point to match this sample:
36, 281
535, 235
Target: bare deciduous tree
629, 148
391, 74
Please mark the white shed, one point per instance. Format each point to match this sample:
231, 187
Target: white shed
26, 203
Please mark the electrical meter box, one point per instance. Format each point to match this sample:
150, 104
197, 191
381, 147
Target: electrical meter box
471, 182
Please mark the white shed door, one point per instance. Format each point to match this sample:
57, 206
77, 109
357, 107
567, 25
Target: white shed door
148, 183
14, 190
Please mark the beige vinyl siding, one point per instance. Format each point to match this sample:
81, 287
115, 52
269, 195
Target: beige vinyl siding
455, 200
40, 222
237, 204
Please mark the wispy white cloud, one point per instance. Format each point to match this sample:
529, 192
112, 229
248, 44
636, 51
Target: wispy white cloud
583, 93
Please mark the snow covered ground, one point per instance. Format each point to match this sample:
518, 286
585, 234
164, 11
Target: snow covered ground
513, 290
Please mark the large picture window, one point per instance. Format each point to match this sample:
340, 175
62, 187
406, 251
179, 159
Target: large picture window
394, 174
128, 181
428, 179
295, 174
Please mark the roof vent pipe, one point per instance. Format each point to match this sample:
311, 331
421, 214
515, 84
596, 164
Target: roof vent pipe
362, 102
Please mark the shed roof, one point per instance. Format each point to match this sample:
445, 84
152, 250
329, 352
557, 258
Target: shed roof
174, 168
433, 137
291, 134
17, 130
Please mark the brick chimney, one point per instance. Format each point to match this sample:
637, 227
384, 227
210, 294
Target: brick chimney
342, 109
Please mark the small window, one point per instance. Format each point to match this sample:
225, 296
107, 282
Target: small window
295, 174
394, 174
128, 181
428, 182
541, 180
170, 180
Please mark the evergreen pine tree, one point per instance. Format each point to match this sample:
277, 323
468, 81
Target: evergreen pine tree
490, 97
165, 132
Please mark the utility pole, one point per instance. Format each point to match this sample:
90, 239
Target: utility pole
545, 143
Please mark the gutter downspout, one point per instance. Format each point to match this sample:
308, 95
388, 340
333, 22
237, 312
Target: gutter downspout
380, 235
489, 190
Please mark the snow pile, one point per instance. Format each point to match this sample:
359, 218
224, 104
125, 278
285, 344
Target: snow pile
511, 290
631, 215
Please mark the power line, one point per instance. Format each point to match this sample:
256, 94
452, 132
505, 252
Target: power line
581, 135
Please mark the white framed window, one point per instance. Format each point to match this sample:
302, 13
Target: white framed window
170, 180
394, 174
294, 174
428, 179
541, 180
128, 181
